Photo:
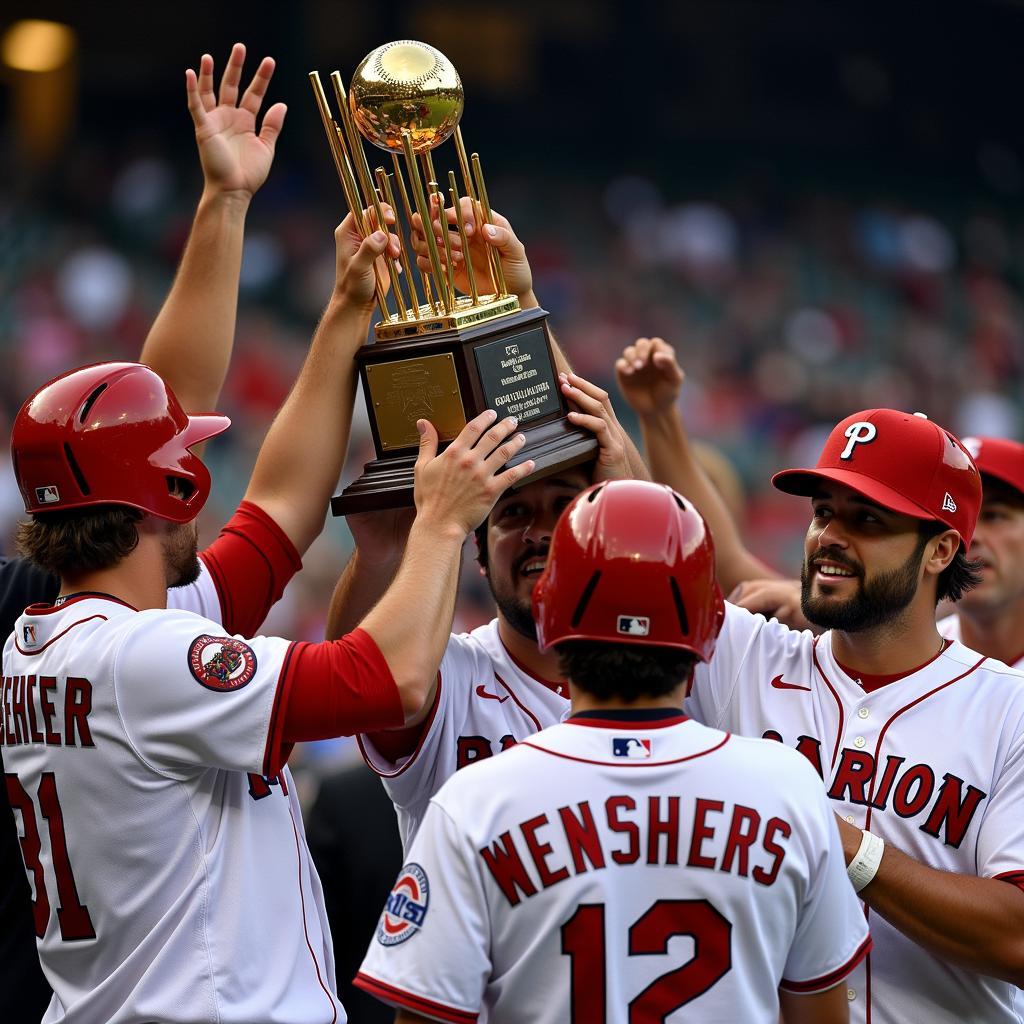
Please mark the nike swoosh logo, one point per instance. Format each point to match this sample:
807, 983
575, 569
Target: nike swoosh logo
481, 692
778, 684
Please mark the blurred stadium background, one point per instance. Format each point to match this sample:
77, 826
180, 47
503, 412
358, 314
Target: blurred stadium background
820, 204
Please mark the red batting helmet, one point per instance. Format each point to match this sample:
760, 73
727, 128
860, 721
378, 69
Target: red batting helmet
111, 434
630, 562
903, 462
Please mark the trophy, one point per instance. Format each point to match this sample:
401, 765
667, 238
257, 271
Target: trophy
436, 354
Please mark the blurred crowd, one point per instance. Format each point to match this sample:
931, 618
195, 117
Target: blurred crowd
787, 314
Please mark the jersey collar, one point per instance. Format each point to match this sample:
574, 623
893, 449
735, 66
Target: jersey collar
634, 718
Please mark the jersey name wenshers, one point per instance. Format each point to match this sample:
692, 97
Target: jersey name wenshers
31, 711
704, 832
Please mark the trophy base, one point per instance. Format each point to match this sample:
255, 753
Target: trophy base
388, 483
503, 363
426, 321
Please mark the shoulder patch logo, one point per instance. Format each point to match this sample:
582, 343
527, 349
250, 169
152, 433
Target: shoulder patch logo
406, 908
221, 662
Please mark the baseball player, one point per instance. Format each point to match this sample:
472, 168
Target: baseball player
189, 345
920, 740
145, 746
628, 864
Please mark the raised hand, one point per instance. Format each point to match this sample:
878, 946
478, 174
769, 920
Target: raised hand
594, 412
456, 489
499, 236
649, 376
233, 156
356, 256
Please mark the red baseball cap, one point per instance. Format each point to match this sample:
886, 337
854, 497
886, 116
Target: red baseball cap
901, 461
995, 456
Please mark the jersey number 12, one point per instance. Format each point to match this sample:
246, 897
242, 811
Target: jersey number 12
583, 941
72, 915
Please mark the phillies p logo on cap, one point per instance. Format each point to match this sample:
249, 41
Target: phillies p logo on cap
858, 433
901, 461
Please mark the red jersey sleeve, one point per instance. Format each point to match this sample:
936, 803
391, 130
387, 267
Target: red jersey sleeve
251, 562
334, 688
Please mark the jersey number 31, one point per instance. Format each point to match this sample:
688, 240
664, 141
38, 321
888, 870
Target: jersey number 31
72, 916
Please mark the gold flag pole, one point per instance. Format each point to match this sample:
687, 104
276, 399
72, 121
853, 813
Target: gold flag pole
453, 188
467, 177
428, 294
446, 240
481, 188
348, 184
421, 207
355, 146
385, 188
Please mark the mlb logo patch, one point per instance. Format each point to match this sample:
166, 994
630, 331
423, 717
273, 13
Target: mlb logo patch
29, 635
634, 625
47, 495
631, 747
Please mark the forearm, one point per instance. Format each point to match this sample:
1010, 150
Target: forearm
411, 624
672, 462
301, 459
975, 922
359, 588
190, 341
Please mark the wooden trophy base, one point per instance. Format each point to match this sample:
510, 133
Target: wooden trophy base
448, 378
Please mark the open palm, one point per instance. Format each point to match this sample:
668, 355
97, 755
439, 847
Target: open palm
234, 157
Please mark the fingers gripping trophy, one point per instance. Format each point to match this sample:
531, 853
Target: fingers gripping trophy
438, 353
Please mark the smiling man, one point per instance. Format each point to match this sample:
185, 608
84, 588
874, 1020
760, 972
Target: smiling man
919, 740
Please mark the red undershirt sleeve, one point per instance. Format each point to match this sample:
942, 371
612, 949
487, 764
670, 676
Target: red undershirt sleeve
334, 688
251, 562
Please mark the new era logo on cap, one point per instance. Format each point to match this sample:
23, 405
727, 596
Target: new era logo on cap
47, 495
631, 747
634, 625
901, 461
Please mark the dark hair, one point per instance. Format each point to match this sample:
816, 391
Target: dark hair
481, 541
79, 540
961, 575
609, 670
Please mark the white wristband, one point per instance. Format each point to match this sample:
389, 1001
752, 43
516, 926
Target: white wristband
865, 861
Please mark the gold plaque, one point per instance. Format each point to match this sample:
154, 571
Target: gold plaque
404, 391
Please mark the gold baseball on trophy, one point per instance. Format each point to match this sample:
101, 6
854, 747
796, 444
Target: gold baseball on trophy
407, 86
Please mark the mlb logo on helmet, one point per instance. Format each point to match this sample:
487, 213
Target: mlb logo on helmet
631, 747
47, 495
634, 625
901, 461
406, 907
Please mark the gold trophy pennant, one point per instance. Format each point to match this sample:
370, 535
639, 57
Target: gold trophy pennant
437, 355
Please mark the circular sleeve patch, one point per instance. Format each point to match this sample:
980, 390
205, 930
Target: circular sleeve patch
221, 662
406, 908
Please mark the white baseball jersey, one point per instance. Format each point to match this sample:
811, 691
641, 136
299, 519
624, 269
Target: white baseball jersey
933, 763
949, 627
160, 831
636, 866
485, 703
